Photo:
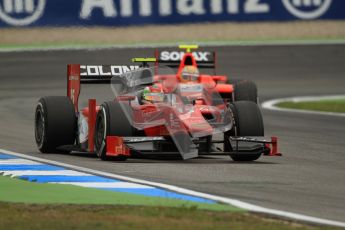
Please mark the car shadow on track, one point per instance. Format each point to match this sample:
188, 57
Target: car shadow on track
177, 159
166, 159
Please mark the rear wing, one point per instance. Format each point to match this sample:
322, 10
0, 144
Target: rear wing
91, 74
172, 58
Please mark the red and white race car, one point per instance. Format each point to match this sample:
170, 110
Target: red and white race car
155, 111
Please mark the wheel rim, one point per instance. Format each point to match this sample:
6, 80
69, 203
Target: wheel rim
100, 129
39, 128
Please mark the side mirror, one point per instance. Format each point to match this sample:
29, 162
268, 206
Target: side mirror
219, 78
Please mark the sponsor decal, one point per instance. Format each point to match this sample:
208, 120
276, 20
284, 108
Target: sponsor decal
73, 78
146, 8
307, 9
142, 139
184, 88
103, 71
72, 92
173, 122
21, 12
178, 55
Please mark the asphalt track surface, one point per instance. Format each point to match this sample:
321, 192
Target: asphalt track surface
309, 178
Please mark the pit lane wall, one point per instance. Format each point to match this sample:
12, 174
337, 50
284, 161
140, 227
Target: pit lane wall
37, 13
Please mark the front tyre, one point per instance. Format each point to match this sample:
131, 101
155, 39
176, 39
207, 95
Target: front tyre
248, 122
55, 124
112, 120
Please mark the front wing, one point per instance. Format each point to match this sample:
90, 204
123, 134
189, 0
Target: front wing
130, 146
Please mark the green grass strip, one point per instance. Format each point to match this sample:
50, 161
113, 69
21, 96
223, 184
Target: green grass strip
334, 105
16, 190
83, 45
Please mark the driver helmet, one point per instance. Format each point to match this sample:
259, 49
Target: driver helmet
189, 74
153, 94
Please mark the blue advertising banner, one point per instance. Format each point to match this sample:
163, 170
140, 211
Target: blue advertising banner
138, 12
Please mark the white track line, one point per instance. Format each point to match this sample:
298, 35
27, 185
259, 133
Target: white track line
16, 173
18, 162
233, 202
106, 185
271, 104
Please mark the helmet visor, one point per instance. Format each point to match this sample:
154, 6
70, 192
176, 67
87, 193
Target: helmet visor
157, 97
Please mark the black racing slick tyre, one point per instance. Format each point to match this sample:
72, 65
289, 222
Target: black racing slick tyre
245, 90
112, 120
55, 124
247, 122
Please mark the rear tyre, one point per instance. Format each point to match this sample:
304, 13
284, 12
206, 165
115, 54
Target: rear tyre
112, 121
245, 90
55, 124
248, 122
